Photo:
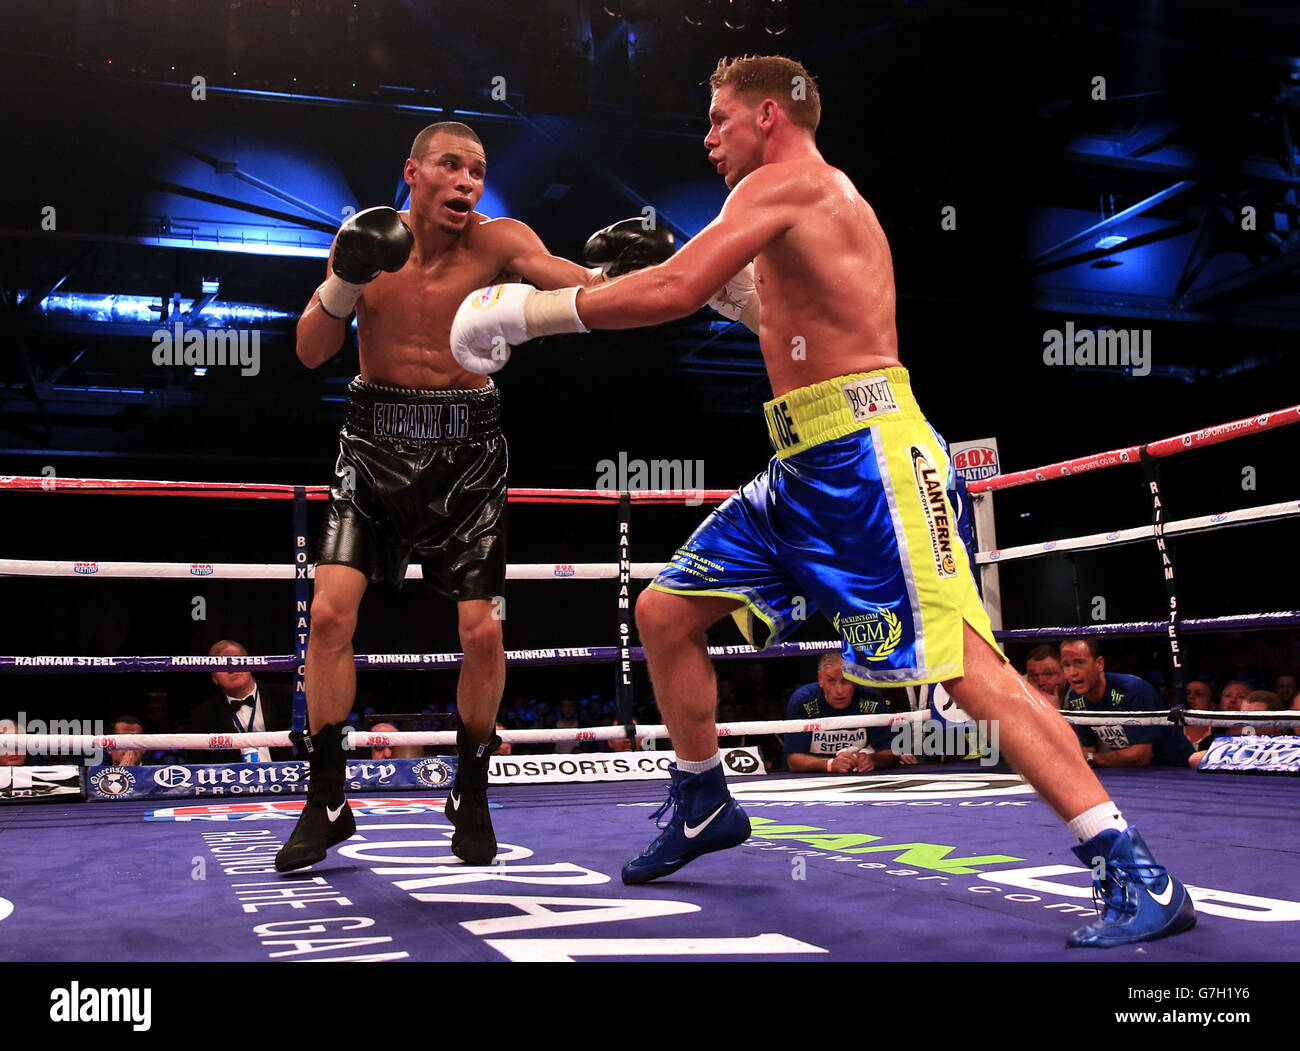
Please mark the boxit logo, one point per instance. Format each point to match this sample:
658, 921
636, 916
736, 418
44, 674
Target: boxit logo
76, 1004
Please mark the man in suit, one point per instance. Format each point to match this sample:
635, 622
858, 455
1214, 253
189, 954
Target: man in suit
242, 705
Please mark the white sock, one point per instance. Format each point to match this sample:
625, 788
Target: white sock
689, 767
1095, 821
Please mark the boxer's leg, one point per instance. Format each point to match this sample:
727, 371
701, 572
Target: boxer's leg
478, 696
723, 570
704, 816
1032, 733
331, 672
1142, 900
483, 672
672, 629
331, 675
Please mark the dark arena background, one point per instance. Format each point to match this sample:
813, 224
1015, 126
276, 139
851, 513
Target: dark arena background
1039, 167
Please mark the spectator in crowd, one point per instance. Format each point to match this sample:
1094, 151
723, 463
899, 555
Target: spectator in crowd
1094, 689
1043, 672
505, 747
1255, 701
241, 705
1200, 695
621, 744
1233, 694
568, 720
1284, 687
126, 724
383, 751
838, 751
1263, 701
1201, 698
10, 756
1229, 701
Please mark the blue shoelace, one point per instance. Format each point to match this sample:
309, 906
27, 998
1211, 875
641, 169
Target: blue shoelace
671, 802
1113, 892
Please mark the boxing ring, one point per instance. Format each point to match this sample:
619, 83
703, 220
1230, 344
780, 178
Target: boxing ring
962, 865
950, 861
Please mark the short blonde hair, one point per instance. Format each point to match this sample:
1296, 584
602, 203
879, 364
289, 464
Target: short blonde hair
783, 80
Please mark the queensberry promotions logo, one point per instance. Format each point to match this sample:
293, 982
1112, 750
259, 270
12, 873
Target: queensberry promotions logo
875, 634
431, 772
85, 567
935, 506
112, 781
172, 777
201, 569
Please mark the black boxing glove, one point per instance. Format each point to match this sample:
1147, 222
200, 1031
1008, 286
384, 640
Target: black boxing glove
370, 242
627, 246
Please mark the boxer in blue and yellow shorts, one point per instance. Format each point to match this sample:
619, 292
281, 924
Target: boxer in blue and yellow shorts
851, 518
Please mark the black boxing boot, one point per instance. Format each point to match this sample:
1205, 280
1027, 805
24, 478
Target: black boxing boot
327, 819
473, 842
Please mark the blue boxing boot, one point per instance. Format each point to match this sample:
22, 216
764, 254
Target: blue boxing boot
1138, 900
704, 818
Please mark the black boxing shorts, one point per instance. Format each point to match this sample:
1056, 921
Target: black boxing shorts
421, 474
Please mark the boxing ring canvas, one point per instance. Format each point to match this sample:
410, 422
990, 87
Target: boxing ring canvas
956, 863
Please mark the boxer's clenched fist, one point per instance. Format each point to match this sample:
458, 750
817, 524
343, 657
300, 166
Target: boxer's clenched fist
369, 243
492, 320
628, 245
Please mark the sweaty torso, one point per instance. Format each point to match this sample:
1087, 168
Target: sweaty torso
825, 285
404, 319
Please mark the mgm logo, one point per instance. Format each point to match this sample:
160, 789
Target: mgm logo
875, 634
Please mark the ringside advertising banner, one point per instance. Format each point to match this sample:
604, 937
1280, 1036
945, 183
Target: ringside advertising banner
1259, 754
35, 784
416, 775
605, 766
261, 779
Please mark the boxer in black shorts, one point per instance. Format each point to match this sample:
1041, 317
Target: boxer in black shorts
421, 473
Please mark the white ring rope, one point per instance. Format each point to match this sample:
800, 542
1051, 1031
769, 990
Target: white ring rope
78, 743
1222, 520
370, 739
25, 567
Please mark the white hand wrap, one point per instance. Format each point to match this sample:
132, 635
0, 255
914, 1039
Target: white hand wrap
492, 320
339, 297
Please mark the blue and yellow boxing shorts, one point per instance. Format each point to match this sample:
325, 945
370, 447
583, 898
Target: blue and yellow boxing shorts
851, 518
